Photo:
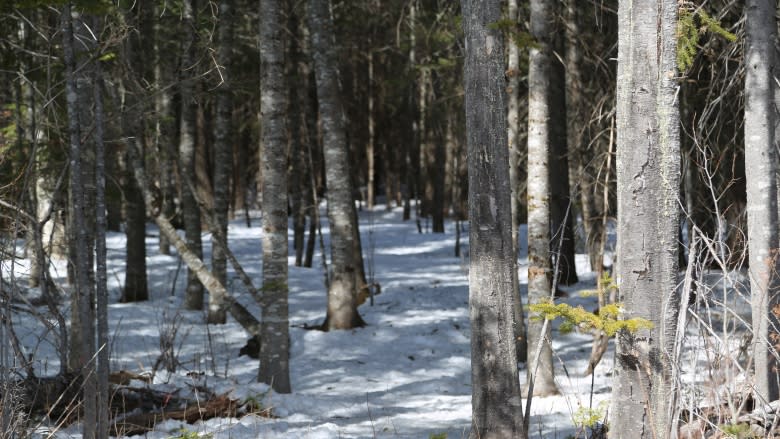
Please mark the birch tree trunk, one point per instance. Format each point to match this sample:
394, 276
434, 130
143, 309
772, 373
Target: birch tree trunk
540, 138
187, 132
223, 151
761, 165
342, 294
496, 402
648, 176
274, 352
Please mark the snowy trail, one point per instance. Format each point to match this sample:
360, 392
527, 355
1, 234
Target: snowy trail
405, 375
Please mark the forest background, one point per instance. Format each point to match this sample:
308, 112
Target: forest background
167, 111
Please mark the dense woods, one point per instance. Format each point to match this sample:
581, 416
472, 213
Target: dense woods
607, 166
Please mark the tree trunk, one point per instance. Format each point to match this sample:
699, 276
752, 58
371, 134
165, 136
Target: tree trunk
101, 275
370, 148
513, 140
191, 259
298, 186
648, 175
342, 294
761, 161
561, 213
275, 350
82, 288
190, 211
223, 151
496, 402
541, 135
135, 288
165, 129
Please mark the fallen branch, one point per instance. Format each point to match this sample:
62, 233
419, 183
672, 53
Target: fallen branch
194, 263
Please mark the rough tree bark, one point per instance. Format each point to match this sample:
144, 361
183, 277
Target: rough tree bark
561, 217
648, 175
513, 140
101, 274
82, 286
274, 352
223, 151
135, 288
496, 402
761, 161
540, 137
187, 133
342, 294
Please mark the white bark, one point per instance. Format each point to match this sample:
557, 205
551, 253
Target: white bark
760, 168
648, 173
540, 136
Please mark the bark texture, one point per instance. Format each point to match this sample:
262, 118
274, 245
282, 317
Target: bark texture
541, 135
187, 134
761, 161
342, 294
136, 73
496, 403
274, 352
648, 173
513, 140
82, 287
223, 151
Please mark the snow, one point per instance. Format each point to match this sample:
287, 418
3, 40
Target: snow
405, 375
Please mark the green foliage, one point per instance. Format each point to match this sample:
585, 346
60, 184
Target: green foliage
437, 436
690, 26
587, 417
606, 284
738, 431
607, 320
188, 434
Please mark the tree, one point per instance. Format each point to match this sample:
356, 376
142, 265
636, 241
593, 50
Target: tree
541, 136
223, 148
648, 173
83, 287
496, 402
760, 169
513, 140
187, 134
274, 351
135, 73
343, 290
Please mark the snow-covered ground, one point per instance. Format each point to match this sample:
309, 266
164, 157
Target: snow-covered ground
405, 375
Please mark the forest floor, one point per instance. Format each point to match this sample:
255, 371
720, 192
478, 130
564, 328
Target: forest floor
405, 375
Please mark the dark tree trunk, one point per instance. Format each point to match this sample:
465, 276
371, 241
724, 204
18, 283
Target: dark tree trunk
85, 350
496, 402
223, 149
187, 140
